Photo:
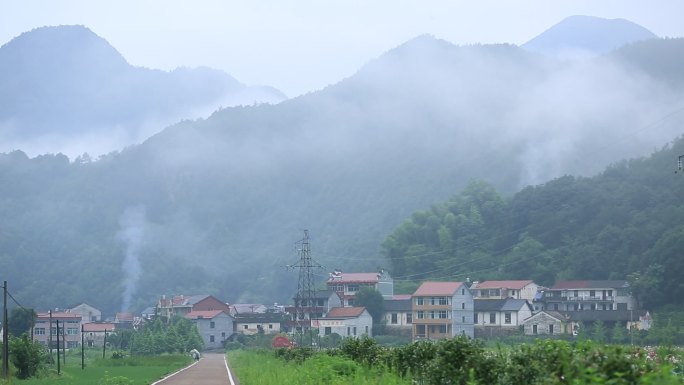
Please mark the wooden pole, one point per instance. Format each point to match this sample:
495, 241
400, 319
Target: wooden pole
104, 345
58, 367
82, 348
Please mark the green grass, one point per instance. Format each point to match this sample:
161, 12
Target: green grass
138, 370
263, 368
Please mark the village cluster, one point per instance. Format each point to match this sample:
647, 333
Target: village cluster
435, 310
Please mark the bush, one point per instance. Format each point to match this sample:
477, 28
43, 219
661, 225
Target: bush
117, 355
27, 356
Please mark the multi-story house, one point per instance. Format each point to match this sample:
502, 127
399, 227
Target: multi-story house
215, 326
398, 315
181, 305
88, 312
568, 296
442, 310
268, 322
500, 316
505, 289
316, 307
69, 329
348, 284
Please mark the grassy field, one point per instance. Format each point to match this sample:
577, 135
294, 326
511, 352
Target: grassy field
263, 368
125, 371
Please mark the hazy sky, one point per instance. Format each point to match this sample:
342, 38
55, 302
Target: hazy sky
304, 45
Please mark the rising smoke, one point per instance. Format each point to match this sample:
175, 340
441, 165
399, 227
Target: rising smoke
132, 224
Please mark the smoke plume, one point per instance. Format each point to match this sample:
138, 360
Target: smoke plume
132, 225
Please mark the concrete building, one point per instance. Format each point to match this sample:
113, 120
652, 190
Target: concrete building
442, 310
69, 329
398, 315
88, 312
348, 284
345, 321
526, 289
215, 326
94, 333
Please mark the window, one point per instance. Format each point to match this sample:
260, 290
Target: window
409, 318
443, 300
419, 301
507, 317
348, 330
244, 327
420, 314
443, 329
72, 331
492, 318
366, 329
393, 319
39, 331
555, 306
350, 302
443, 314
463, 319
431, 314
328, 330
223, 335
462, 291
462, 305
212, 324
352, 288
534, 329
72, 344
211, 338
354, 330
270, 326
474, 317
550, 329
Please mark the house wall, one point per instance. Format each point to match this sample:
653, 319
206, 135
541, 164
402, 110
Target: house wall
543, 323
69, 330
251, 328
462, 310
87, 312
347, 327
402, 319
459, 316
214, 336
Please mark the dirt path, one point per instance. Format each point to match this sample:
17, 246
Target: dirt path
212, 369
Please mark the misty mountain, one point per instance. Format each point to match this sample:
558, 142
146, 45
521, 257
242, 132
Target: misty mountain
219, 202
65, 84
587, 35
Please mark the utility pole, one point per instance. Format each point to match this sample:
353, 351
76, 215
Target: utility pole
82, 348
50, 342
306, 290
58, 367
5, 334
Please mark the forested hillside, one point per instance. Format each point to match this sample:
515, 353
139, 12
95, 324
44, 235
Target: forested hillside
215, 205
625, 223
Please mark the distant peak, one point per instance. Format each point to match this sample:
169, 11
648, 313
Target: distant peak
588, 34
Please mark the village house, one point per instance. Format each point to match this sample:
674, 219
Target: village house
526, 289
181, 305
255, 323
546, 322
88, 312
588, 295
94, 333
124, 320
215, 326
442, 310
398, 315
345, 321
321, 303
499, 316
69, 329
348, 284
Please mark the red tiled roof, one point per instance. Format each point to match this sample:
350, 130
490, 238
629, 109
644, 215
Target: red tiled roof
354, 278
98, 327
565, 285
517, 285
345, 312
437, 288
208, 314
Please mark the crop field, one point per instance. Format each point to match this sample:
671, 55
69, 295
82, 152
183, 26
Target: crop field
464, 362
123, 371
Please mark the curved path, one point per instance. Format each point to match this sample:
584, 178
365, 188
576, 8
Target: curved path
212, 369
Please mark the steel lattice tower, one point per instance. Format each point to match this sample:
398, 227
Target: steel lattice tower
306, 290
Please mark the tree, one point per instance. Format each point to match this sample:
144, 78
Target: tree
599, 331
27, 356
372, 300
21, 321
619, 333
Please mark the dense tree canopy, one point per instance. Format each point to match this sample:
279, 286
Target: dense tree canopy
624, 223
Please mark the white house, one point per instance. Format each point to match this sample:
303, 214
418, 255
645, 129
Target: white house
345, 321
88, 312
526, 289
398, 315
501, 313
